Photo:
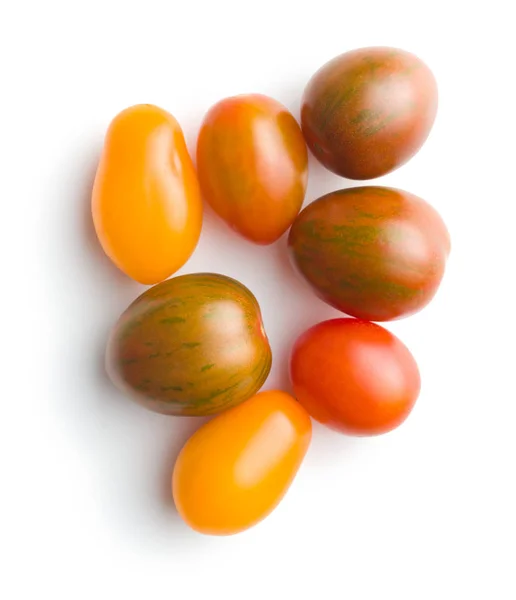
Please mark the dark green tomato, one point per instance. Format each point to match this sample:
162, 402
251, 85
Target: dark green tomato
368, 111
374, 253
191, 345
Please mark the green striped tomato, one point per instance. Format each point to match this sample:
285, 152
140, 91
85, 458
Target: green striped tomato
374, 253
191, 345
368, 111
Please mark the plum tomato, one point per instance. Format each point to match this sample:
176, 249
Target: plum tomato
146, 201
236, 469
252, 163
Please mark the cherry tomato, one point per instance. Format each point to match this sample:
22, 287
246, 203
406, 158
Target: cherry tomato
236, 469
354, 376
252, 163
367, 112
189, 346
375, 253
146, 201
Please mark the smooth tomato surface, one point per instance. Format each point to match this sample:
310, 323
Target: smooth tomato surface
252, 163
235, 469
146, 201
354, 376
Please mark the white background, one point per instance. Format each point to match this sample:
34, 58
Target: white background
427, 511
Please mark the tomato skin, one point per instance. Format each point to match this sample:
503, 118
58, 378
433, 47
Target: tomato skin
354, 376
252, 163
373, 252
146, 202
368, 111
236, 469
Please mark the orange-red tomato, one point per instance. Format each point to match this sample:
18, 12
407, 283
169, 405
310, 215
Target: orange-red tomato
146, 201
252, 163
354, 376
236, 469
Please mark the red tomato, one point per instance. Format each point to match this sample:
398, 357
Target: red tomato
354, 376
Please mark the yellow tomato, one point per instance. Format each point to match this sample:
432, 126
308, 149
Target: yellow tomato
146, 201
236, 469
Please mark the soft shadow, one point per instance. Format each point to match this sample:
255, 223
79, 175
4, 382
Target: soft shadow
299, 309
88, 233
129, 450
105, 279
215, 227
320, 180
329, 447
184, 427
88, 295
191, 124
290, 95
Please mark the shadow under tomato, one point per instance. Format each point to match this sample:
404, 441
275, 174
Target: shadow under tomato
88, 295
89, 235
216, 227
138, 448
107, 278
184, 428
304, 311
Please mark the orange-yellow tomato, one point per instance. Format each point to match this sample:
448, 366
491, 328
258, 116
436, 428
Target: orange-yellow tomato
252, 162
236, 469
146, 202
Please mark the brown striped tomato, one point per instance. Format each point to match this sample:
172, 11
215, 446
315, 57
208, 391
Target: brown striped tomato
368, 111
191, 345
375, 253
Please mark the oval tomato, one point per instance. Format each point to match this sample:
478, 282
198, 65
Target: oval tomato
252, 163
354, 376
374, 253
192, 345
368, 111
146, 201
236, 469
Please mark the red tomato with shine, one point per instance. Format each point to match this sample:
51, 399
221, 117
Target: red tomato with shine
354, 376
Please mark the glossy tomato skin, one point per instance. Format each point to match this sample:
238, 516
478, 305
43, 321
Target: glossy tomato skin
252, 163
146, 201
236, 469
190, 346
375, 253
354, 376
368, 111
